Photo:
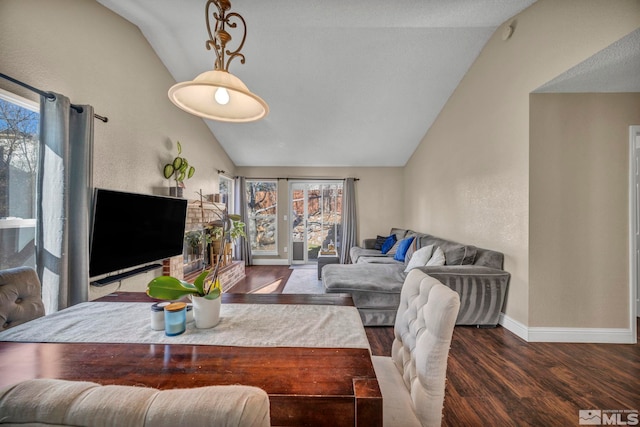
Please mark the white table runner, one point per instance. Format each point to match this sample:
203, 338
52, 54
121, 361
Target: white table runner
248, 325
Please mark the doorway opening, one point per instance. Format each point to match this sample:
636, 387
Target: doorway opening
316, 217
634, 225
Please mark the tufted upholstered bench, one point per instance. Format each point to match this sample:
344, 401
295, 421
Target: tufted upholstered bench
76, 403
412, 380
20, 297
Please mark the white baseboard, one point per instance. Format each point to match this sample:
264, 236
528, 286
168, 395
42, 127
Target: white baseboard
582, 335
272, 261
568, 335
514, 326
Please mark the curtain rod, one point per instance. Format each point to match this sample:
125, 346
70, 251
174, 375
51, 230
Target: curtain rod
305, 178
49, 95
221, 172
225, 174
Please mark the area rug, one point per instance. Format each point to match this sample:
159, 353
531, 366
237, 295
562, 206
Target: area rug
304, 280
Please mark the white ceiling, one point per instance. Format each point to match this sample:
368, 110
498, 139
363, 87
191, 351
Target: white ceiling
354, 83
613, 69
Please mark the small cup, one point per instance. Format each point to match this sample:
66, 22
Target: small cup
175, 318
157, 316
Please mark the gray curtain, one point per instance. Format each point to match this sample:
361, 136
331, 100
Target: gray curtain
64, 202
242, 246
349, 220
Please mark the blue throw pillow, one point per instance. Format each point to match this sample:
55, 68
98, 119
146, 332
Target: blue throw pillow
403, 246
388, 243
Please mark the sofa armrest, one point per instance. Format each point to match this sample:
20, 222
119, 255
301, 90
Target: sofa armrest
368, 243
469, 275
482, 291
445, 271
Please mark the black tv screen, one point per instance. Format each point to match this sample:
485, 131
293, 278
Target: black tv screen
133, 229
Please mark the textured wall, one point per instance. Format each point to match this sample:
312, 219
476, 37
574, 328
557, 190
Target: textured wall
93, 56
579, 215
469, 178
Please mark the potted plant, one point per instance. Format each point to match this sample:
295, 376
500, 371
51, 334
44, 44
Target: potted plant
204, 293
194, 241
180, 170
224, 232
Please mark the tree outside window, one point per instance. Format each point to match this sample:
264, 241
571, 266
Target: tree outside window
262, 203
19, 145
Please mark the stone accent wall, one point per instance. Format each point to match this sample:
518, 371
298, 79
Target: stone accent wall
173, 267
231, 274
197, 215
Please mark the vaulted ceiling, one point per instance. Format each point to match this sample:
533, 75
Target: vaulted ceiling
354, 83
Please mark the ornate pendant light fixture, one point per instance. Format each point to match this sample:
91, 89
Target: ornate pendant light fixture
218, 94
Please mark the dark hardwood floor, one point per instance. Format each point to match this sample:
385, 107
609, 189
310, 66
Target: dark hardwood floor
267, 278
496, 379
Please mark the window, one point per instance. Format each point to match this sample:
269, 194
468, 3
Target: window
226, 192
19, 145
262, 203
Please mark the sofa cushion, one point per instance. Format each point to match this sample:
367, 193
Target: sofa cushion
454, 253
388, 244
412, 249
379, 242
400, 233
375, 289
437, 259
376, 260
470, 252
394, 249
419, 258
489, 258
403, 246
356, 252
384, 278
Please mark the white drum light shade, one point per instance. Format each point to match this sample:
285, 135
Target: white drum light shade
197, 97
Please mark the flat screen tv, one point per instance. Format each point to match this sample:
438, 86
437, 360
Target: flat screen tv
133, 229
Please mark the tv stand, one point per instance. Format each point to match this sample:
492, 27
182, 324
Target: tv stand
117, 277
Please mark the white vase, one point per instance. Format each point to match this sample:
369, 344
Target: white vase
206, 312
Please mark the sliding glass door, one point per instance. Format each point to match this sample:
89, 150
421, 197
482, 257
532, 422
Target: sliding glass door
316, 215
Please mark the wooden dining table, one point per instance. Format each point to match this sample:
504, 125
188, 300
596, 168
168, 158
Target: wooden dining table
312, 386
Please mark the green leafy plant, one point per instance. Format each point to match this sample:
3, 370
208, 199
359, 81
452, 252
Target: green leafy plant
179, 168
171, 288
194, 239
237, 228
231, 229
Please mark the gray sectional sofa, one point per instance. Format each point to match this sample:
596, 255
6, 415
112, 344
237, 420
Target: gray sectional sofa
375, 280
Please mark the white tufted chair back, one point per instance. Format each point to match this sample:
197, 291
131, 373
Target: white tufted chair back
423, 331
20, 297
52, 402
